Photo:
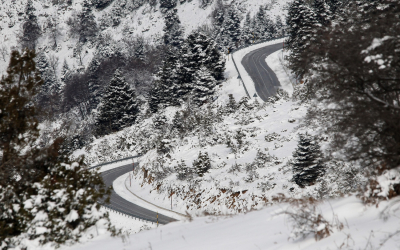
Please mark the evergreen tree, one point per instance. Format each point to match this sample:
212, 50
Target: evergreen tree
202, 164
166, 5
30, 28
118, 108
247, 34
47, 74
322, 12
264, 26
280, 29
301, 23
334, 5
140, 49
200, 50
184, 172
203, 87
231, 106
173, 30
232, 28
165, 90
87, 24
43, 194
307, 161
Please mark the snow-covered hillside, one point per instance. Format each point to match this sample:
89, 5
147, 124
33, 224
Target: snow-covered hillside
136, 18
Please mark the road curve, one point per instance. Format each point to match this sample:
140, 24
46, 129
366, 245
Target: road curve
265, 80
121, 205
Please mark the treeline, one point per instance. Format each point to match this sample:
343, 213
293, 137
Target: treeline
151, 74
347, 53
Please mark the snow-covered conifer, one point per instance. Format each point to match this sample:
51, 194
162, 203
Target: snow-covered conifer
87, 27
30, 28
248, 32
202, 164
166, 5
231, 28
231, 107
301, 22
322, 12
307, 161
203, 87
118, 108
173, 30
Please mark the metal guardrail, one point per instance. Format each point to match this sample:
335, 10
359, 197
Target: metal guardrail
115, 209
111, 162
130, 215
246, 46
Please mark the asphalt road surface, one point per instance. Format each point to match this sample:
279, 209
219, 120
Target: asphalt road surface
120, 204
265, 80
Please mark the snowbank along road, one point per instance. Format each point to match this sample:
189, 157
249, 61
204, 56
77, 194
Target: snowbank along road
265, 80
121, 205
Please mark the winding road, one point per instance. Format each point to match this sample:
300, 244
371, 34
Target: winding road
265, 80
266, 84
121, 205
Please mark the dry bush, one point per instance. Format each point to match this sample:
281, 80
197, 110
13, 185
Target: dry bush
306, 218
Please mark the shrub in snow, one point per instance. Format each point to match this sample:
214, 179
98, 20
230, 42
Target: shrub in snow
231, 106
307, 161
202, 164
184, 172
306, 219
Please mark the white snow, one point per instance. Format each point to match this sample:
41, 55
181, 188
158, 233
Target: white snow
364, 228
72, 216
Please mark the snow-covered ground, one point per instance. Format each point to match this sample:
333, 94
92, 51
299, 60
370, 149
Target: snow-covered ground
362, 227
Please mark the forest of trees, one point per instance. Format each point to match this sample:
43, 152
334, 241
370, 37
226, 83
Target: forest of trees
348, 54
187, 68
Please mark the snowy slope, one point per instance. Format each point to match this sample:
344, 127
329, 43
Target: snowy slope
364, 227
144, 21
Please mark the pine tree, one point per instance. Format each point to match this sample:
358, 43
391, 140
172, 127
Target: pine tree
232, 106
52, 197
173, 30
184, 172
166, 5
280, 29
202, 164
200, 50
30, 28
264, 26
232, 28
118, 108
47, 75
247, 34
203, 88
301, 23
307, 161
165, 91
140, 49
87, 24
322, 12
